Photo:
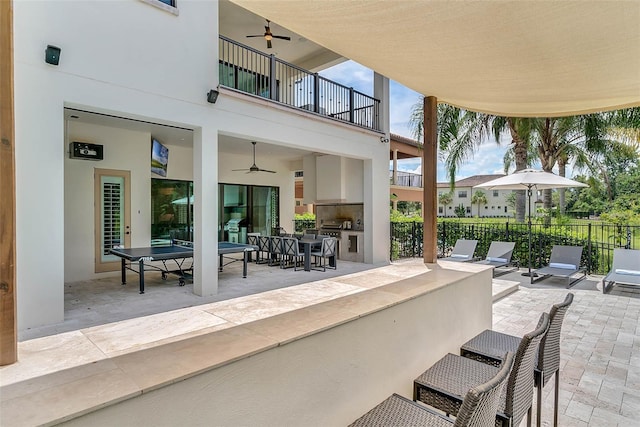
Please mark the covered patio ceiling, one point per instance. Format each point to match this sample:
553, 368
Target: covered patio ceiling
511, 58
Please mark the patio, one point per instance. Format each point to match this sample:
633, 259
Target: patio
600, 368
97, 302
600, 349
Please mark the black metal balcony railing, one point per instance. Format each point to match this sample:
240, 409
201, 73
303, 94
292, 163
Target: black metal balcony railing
248, 70
406, 179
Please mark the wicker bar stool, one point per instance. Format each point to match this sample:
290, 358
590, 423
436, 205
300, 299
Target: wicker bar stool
443, 385
478, 408
489, 346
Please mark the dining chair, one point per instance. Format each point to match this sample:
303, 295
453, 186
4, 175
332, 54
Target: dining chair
264, 250
291, 252
275, 257
327, 251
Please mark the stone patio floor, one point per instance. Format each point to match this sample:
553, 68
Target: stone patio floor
600, 349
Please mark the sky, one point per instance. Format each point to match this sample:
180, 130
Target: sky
486, 160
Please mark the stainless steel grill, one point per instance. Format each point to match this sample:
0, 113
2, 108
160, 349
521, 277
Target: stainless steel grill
331, 228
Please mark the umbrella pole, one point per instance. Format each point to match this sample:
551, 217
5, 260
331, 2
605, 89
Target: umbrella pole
529, 273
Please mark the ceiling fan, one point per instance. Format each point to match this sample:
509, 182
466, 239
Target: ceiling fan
268, 36
253, 167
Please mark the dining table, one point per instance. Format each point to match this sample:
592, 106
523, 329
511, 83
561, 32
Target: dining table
308, 246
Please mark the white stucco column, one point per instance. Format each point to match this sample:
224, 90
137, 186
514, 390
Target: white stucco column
39, 160
381, 92
376, 221
395, 167
205, 212
376, 184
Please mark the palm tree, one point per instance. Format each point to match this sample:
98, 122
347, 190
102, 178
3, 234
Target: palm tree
585, 140
479, 198
446, 199
460, 132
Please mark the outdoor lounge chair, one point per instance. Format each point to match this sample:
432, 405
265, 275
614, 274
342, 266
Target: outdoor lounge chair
443, 385
463, 251
499, 257
490, 346
565, 262
478, 407
625, 270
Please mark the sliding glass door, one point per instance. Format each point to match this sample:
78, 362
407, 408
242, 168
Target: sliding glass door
247, 209
171, 211
242, 209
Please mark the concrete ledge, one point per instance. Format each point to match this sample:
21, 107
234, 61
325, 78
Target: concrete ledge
502, 288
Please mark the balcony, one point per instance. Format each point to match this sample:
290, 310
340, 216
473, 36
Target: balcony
248, 70
406, 179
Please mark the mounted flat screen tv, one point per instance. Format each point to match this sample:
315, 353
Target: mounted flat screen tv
159, 158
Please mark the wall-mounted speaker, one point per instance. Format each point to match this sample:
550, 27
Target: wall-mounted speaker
52, 55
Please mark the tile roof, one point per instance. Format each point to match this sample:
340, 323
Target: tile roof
474, 180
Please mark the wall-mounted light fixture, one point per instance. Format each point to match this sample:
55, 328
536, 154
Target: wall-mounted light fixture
384, 139
212, 96
52, 55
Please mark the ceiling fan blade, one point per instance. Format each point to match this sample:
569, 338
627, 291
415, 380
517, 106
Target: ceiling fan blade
253, 167
269, 44
256, 35
281, 37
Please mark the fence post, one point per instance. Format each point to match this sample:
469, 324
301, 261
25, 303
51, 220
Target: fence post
316, 93
413, 239
444, 236
351, 109
589, 260
506, 231
272, 78
391, 241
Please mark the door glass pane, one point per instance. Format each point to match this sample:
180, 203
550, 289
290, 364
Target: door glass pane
171, 211
227, 75
111, 216
234, 213
264, 210
247, 81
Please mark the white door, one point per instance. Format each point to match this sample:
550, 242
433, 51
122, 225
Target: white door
112, 216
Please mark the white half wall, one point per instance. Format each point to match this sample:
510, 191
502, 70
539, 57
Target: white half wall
325, 378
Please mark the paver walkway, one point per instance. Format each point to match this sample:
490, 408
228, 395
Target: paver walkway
600, 350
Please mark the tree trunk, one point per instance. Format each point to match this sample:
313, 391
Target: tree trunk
520, 154
562, 165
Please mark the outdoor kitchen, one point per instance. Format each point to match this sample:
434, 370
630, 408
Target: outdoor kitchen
344, 222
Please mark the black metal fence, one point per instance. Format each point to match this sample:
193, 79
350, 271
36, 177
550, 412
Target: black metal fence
598, 240
251, 71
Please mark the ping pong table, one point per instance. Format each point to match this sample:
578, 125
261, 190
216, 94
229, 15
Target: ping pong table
174, 259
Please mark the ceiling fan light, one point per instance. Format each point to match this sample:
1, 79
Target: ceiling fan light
268, 37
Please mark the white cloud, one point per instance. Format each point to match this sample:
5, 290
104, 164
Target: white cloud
488, 157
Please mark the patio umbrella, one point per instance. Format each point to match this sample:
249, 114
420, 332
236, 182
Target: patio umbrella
528, 179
